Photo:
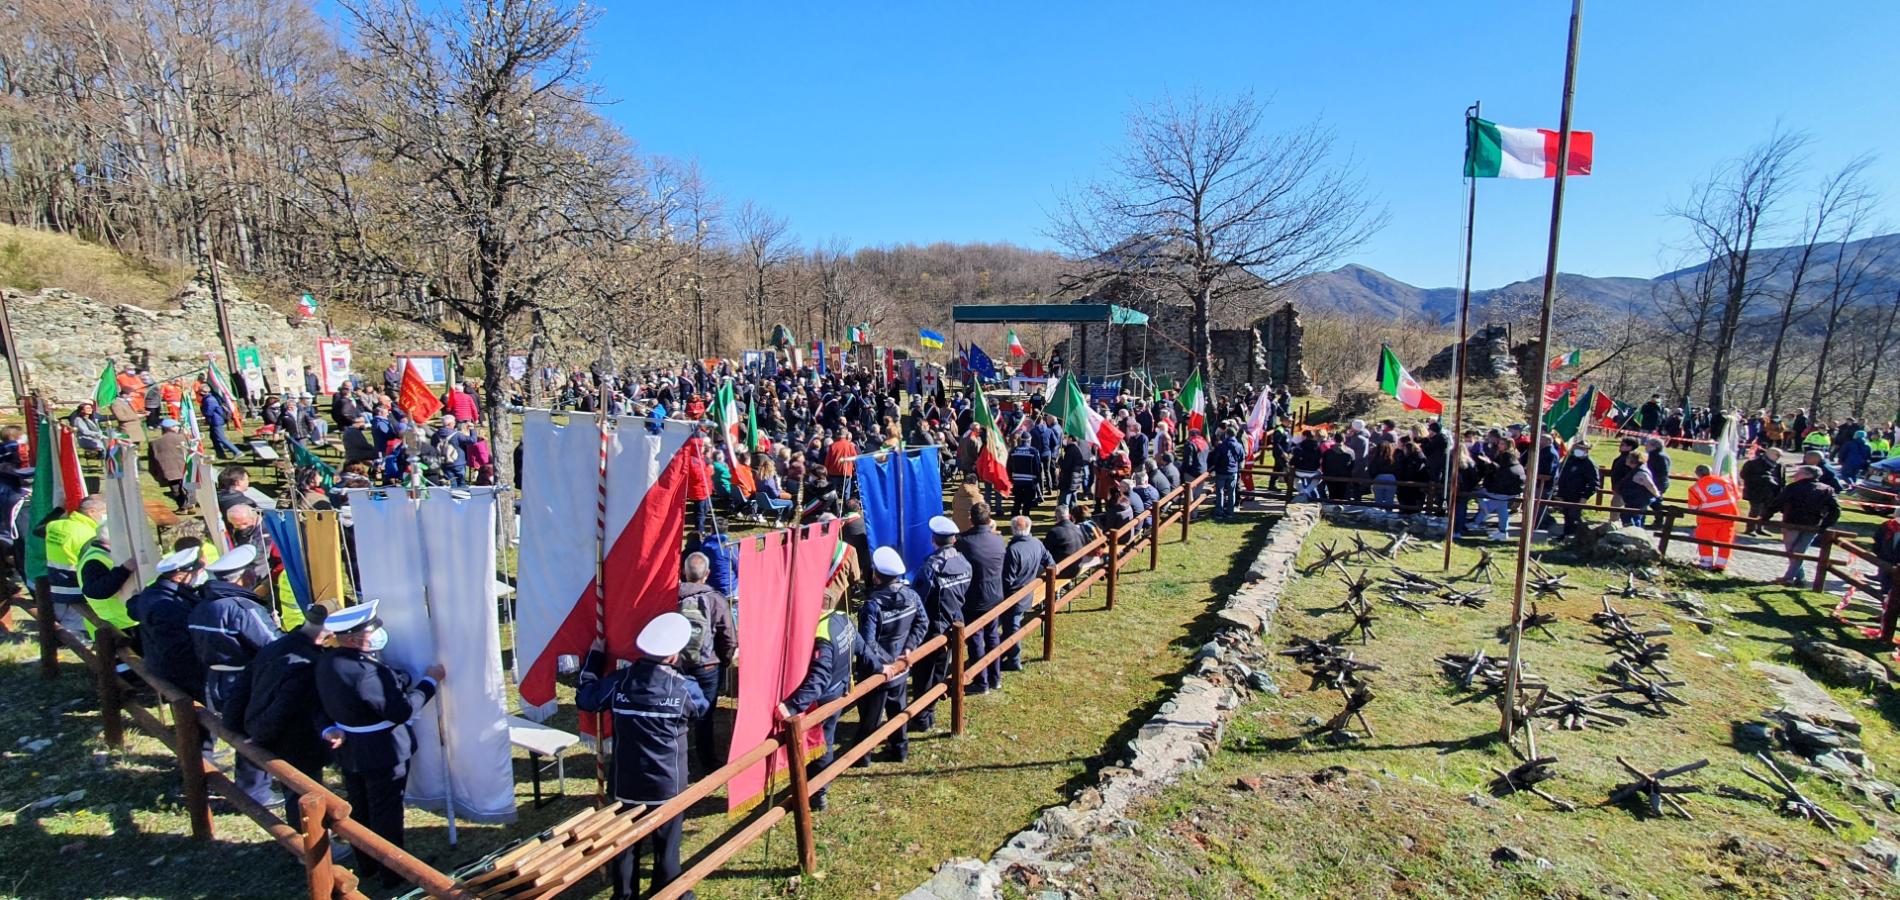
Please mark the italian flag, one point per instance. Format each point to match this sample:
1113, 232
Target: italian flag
1078, 419
1394, 380
726, 409
1495, 151
1573, 358
1016, 346
989, 461
1194, 400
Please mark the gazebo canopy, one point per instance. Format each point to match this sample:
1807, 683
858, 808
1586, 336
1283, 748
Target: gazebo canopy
1060, 313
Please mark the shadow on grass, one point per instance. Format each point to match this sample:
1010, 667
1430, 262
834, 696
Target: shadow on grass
1198, 632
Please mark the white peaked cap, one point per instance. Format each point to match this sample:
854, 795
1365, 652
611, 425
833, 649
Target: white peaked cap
664, 636
237, 560
887, 561
350, 618
184, 559
942, 525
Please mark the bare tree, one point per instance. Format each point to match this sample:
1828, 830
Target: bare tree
1879, 350
489, 175
1843, 189
1205, 201
1851, 265
763, 247
1727, 216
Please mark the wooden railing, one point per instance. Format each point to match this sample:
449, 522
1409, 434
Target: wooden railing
325, 813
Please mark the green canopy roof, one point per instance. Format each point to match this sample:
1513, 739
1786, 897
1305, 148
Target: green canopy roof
997, 313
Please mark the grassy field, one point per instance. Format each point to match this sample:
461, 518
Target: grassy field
1026, 748
1406, 812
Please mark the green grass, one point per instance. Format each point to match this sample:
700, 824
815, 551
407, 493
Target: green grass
1029, 747
1414, 818
31, 259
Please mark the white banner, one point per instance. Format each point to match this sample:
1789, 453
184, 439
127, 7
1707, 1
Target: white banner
334, 370
127, 524
430, 561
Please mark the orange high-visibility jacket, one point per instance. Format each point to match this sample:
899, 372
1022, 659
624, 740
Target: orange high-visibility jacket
1713, 494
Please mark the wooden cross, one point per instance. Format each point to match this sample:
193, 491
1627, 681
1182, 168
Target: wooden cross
1526, 777
1650, 792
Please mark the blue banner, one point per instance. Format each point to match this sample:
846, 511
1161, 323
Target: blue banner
900, 494
282, 526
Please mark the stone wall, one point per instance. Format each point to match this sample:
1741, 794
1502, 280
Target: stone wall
64, 339
1268, 348
1489, 356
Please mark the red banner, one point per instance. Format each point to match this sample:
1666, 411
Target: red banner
781, 593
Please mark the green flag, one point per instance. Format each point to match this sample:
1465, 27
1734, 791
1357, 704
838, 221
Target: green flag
108, 389
1576, 417
1558, 409
752, 425
45, 499
304, 459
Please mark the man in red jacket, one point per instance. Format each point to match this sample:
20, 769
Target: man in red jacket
698, 484
841, 462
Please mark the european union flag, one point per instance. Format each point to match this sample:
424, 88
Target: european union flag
930, 339
980, 363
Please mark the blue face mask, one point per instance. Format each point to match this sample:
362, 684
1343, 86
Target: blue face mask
378, 639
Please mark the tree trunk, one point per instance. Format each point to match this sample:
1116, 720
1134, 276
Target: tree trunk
1880, 351
1820, 364
501, 427
1199, 343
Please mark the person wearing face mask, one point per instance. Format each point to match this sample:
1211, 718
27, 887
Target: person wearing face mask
228, 627
372, 705
1578, 480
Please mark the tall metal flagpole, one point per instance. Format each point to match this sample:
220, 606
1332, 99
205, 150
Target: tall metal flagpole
1528, 522
1464, 325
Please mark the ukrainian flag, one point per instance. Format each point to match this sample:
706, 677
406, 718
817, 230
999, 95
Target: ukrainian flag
930, 339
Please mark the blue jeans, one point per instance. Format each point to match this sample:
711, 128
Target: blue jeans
1385, 490
1226, 493
220, 443
1797, 542
1489, 505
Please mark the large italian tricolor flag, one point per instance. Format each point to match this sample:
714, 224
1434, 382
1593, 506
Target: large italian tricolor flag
1498, 151
1078, 419
1394, 380
989, 461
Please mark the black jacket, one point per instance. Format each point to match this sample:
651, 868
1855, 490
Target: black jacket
163, 611
1808, 503
651, 703
373, 703
1023, 562
984, 549
1761, 479
1578, 479
891, 623
942, 586
830, 673
1065, 538
276, 702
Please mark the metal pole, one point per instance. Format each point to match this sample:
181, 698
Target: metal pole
1528, 521
1464, 323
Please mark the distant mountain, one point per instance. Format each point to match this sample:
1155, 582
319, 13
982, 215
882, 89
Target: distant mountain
1360, 290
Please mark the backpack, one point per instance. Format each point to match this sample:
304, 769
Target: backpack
693, 607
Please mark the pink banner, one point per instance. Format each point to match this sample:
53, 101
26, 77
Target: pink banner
781, 594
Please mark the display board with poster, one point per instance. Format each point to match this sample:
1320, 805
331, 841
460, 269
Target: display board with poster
286, 374
432, 367
251, 369
335, 369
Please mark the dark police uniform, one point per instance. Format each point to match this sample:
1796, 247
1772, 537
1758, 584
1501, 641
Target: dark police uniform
276, 703
941, 585
1025, 479
827, 680
982, 549
228, 627
651, 703
163, 611
373, 704
891, 623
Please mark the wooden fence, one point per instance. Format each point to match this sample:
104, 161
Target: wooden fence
547, 874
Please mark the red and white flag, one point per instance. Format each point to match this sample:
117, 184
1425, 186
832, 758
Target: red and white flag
642, 507
1194, 400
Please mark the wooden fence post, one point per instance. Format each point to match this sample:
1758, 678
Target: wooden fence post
105, 648
191, 765
316, 847
801, 794
49, 642
956, 678
1827, 558
1154, 538
1048, 613
1114, 565
1187, 509
1668, 529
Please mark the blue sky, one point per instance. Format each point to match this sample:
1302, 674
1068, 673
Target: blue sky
913, 122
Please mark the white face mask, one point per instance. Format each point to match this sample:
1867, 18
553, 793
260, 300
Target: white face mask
1580, 453
378, 639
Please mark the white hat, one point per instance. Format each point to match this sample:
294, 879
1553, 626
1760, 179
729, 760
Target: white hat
183, 560
239, 559
351, 618
942, 525
665, 635
888, 561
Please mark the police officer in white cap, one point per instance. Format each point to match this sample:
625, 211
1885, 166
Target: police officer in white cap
891, 623
652, 703
228, 627
941, 584
163, 611
372, 705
